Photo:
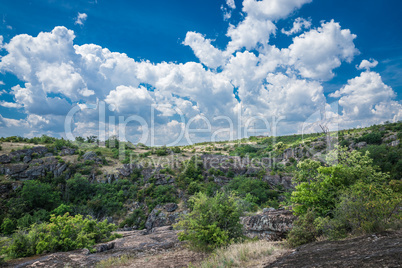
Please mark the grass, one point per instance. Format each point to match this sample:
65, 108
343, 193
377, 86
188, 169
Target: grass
248, 254
115, 261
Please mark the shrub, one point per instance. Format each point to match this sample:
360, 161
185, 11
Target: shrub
364, 208
8, 226
371, 138
63, 233
137, 218
39, 195
304, 230
257, 188
212, 223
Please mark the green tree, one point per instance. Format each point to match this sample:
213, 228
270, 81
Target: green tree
212, 222
319, 188
63, 233
39, 195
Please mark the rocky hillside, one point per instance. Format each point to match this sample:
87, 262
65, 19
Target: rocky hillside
143, 188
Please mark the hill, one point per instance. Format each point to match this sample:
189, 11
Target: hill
138, 187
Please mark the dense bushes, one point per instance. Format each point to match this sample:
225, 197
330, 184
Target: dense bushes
63, 233
136, 218
371, 138
36, 200
39, 195
256, 190
387, 158
348, 197
212, 222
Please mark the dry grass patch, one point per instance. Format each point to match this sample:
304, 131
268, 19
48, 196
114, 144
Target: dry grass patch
7, 147
248, 254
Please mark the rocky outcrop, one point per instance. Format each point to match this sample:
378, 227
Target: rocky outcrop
25, 155
35, 169
275, 180
394, 143
92, 156
133, 243
67, 151
271, 224
163, 215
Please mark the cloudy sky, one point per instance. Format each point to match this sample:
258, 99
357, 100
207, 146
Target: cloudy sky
162, 72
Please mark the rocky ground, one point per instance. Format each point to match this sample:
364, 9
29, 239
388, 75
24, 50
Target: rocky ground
379, 250
158, 246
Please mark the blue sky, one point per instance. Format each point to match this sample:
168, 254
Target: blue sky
256, 37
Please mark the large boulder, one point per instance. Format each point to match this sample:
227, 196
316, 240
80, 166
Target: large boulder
67, 151
91, 155
4, 159
163, 216
271, 224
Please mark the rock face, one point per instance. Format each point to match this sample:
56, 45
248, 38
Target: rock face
23, 155
133, 243
163, 215
271, 224
375, 250
33, 170
92, 156
274, 180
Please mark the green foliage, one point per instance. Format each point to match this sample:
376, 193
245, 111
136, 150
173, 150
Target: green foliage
8, 226
244, 149
39, 195
164, 194
364, 208
349, 197
162, 151
176, 150
216, 172
304, 230
371, 138
213, 221
259, 191
387, 158
191, 170
63, 233
136, 218
61, 210
319, 188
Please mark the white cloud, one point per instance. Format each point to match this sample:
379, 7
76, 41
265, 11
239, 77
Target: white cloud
316, 53
2, 83
10, 104
298, 25
365, 64
81, 18
267, 80
231, 4
129, 99
250, 33
366, 98
207, 53
272, 9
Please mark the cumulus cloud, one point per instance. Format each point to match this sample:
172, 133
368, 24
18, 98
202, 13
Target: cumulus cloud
298, 25
207, 53
81, 18
366, 97
317, 52
10, 104
272, 9
129, 99
365, 64
249, 34
249, 78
